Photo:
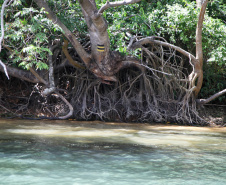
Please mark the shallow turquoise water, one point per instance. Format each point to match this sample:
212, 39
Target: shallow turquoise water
72, 153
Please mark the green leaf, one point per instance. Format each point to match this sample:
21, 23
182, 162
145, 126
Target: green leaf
41, 65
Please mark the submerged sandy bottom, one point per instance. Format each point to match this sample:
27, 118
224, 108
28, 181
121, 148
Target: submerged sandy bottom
94, 132
95, 153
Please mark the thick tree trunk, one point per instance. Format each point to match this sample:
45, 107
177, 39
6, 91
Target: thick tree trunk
103, 62
199, 52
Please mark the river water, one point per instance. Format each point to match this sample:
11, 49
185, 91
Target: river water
95, 153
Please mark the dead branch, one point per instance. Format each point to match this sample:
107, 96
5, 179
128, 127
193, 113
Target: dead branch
4, 69
6, 109
205, 101
115, 4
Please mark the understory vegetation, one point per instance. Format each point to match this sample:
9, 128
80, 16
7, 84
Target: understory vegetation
145, 72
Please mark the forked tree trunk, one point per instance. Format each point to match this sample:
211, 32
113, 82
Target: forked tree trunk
102, 62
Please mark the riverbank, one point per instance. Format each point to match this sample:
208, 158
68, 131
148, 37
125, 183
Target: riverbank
215, 115
25, 101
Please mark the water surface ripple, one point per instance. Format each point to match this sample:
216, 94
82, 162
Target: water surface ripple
92, 153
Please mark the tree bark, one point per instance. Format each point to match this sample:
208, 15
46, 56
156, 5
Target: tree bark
100, 42
204, 101
105, 63
21, 74
199, 51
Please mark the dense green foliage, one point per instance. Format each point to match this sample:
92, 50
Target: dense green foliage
28, 31
175, 22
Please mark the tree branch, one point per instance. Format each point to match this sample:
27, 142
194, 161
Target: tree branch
2, 22
24, 74
199, 3
89, 8
21, 74
51, 85
204, 101
38, 76
5, 69
115, 4
78, 47
150, 40
199, 52
68, 56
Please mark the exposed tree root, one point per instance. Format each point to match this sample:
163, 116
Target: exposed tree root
161, 93
157, 89
160, 86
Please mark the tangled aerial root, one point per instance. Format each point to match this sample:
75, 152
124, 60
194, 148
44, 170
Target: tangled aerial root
160, 93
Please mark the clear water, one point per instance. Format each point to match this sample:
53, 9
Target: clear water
72, 153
